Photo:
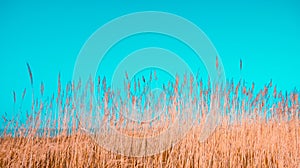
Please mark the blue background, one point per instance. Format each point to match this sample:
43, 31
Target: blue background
49, 36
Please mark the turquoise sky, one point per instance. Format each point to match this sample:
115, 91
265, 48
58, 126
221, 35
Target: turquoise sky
49, 35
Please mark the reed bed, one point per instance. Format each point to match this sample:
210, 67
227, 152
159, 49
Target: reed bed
255, 129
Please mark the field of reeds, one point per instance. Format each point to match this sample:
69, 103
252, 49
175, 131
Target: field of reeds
253, 129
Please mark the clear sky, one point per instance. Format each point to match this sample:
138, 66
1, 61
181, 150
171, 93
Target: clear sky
49, 35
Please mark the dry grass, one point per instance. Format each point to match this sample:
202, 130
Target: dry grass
246, 145
256, 130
